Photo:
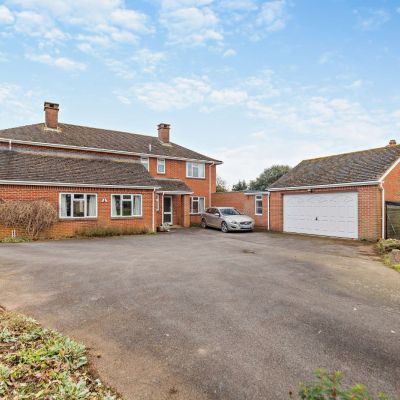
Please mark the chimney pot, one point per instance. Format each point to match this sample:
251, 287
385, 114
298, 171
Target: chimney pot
163, 132
392, 142
51, 115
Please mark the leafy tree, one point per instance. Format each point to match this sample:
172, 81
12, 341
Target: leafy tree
241, 185
221, 185
269, 176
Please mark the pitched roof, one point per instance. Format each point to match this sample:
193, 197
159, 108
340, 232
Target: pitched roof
360, 166
81, 136
20, 166
172, 185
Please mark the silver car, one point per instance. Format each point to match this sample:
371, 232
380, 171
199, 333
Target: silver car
227, 219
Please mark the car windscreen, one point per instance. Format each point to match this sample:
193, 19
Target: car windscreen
229, 211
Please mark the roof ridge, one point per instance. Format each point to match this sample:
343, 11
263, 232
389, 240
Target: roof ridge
350, 152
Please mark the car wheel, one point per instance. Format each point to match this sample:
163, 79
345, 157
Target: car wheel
203, 223
224, 227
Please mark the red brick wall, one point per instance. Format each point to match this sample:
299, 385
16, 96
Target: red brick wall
369, 209
67, 227
244, 203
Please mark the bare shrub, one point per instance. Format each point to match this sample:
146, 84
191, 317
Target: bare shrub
32, 216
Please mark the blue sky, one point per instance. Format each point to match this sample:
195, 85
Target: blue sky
250, 82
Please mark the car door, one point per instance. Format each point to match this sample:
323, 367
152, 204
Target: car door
209, 216
215, 218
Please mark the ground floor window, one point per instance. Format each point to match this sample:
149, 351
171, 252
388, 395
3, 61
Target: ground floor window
126, 205
197, 205
78, 205
259, 205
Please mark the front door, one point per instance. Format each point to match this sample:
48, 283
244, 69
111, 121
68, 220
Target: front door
167, 215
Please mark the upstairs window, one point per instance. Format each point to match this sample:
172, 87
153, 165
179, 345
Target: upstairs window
145, 162
259, 205
126, 205
195, 170
160, 166
78, 205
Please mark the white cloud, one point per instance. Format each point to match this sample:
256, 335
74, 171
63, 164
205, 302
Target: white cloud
227, 97
131, 20
120, 69
190, 23
179, 94
6, 16
327, 57
229, 53
59, 62
372, 20
258, 135
149, 60
273, 15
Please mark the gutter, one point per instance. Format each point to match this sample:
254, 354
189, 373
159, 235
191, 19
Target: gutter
383, 233
100, 150
172, 192
64, 184
334, 185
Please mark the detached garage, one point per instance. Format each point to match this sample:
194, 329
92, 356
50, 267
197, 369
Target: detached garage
341, 196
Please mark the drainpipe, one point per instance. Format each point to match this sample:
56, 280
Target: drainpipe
209, 184
268, 213
383, 210
153, 222
10, 144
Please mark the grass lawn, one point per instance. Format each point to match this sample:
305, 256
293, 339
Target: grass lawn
39, 363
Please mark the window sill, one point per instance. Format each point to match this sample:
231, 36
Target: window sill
77, 218
194, 177
134, 217
258, 215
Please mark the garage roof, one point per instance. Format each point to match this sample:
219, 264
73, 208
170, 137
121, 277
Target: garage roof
357, 167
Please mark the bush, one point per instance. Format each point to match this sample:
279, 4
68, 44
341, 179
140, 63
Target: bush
105, 231
387, 245
31, 216
329, 387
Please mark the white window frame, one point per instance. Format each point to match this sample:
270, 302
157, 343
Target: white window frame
197, 199
157, 202
146, 162
189, 169
258, 198
127, 216
161, 161
72, 205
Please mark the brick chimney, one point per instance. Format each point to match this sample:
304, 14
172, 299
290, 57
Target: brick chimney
163, 132
51, 115
392, 142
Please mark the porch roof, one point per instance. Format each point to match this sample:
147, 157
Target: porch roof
172, 186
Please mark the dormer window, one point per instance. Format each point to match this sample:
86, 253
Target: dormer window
160, 166
145, 162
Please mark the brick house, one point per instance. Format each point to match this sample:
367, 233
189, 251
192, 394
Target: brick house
343, 195
102, 177
249, 202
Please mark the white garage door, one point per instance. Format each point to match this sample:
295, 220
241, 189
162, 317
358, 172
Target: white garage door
326, 214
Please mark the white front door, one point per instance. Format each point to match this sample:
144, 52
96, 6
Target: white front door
167, 214
325, 214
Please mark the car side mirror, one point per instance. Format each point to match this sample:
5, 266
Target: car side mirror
217, 214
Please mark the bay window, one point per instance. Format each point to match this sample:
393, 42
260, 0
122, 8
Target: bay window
195, 170
78, 205
126, 205
197, 205
145, 162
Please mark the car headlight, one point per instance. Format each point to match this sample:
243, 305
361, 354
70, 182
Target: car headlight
234, 222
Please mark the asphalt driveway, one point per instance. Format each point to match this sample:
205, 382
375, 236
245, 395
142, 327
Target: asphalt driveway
201, 315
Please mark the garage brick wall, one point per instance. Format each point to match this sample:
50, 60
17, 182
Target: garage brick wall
67, 228
369, 209
244, 203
